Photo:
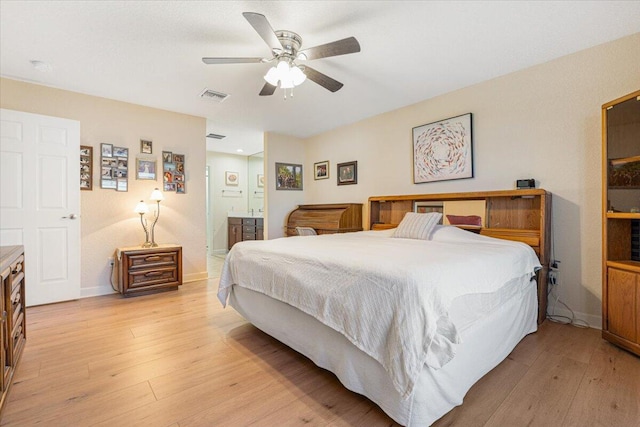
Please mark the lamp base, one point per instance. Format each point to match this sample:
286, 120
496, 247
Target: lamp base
147, 245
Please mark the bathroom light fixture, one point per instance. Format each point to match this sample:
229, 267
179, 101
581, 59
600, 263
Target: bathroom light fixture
142, 208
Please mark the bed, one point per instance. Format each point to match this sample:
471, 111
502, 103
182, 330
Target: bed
412, 336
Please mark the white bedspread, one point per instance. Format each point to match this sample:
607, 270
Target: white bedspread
388, 296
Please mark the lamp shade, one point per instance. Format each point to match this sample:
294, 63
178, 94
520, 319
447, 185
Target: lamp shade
297, 76
141, 208
156, 195
272, 76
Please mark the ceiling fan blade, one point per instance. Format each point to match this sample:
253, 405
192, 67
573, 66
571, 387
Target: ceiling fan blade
340, 47
263, 28
231, 60
268, 89
322, 79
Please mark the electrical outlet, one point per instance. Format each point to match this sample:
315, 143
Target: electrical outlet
110, 261
553, 278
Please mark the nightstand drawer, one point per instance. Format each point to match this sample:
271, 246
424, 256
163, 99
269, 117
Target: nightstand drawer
248, 236
248, 221
145, 278
248, 228
152, 260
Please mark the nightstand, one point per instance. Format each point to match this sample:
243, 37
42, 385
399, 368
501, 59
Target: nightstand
144, 271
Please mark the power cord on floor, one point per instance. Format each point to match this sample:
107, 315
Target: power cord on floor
565, 320
111, 278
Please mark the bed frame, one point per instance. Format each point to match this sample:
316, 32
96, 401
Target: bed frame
520, 215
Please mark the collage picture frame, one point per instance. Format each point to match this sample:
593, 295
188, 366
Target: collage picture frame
114, 167
173, 172
86, 168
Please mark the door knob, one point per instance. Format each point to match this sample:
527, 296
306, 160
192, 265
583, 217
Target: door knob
71, 216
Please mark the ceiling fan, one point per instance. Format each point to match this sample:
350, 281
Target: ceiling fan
285, 48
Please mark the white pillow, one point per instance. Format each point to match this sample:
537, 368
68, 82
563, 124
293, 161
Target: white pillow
417, 225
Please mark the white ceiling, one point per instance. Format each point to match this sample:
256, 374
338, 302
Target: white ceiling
149, 53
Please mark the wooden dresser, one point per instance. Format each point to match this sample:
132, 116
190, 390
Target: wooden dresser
143, 271
13, 331
326, 218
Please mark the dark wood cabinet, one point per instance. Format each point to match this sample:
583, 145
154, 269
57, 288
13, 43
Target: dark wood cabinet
240, 229
143, 271
621, 215
13, 332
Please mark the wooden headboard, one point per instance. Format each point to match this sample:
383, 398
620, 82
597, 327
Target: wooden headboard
520, 215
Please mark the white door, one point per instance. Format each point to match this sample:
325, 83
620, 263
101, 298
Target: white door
40, 201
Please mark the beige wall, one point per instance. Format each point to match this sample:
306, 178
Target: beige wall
281, 149
542, 123
107, 216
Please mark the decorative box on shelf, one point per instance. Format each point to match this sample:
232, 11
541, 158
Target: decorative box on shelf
144, 271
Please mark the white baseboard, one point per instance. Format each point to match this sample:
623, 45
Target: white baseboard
194, 277
594, 321
97, 291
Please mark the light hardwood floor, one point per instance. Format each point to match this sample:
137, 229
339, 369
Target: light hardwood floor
178, 359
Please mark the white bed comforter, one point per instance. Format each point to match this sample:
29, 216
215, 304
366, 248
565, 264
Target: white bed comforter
388, 296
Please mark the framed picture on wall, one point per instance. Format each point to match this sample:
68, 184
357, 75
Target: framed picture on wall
146, 146
443, 150
321, 170
231, 178
348, 173
288, 176
86, 167
260, 180
146, 169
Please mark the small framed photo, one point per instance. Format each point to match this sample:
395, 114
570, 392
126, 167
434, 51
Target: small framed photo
122, 184
168, 176
178, 158
167, 157
107, 173
146, 169
321, 170
180, 188
86, 168
178, 178
288, 176
260, 180
230, 178
179, 167
123, 164
169, 186
120, 152
146, 146
348, 173
107, 150
109, 184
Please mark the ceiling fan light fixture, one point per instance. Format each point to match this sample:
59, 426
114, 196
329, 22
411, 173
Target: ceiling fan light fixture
297, 76
272, 76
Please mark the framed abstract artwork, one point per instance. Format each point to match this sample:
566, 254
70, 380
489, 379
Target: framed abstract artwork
443, 150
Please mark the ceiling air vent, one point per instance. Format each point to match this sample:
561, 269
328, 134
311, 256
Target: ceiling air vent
215, 136
213, 95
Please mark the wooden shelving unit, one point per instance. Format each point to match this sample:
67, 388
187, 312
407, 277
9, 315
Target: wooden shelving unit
620, 271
